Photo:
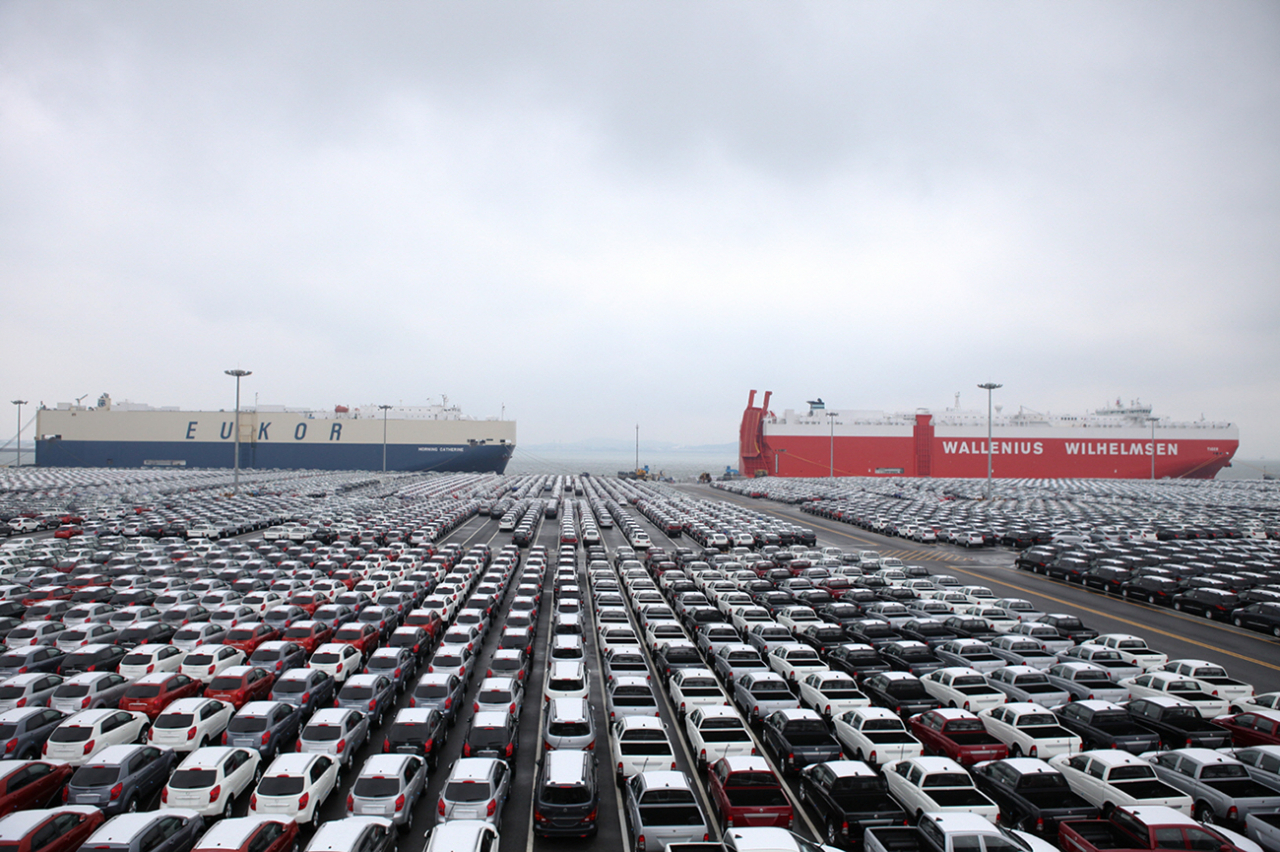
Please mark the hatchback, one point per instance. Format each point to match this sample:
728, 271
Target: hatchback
159, 831
370, 694
493, 734
206, 662
569, 724
335, 731
305, 688
476, 788
389, 786
32, 658
147, 659
121, 778
251, 834
92, 658
191, 723
296, 785
339, 661
264, 726
22, 731
566, 795
78, 738
211, 780
63, 829
28, 690
444, 691
417, 730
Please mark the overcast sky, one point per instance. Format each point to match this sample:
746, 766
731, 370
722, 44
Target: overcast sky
604, 213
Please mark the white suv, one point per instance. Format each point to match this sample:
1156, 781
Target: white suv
146, 659
191, 723
205, 662
296, 785
211, 780
78, 738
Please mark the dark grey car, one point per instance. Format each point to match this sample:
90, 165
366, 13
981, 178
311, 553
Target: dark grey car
122, 778
264, 726
24, 730
306, 688
160, 831
444, 691
30, 658
398, 664
89, 690
371, 694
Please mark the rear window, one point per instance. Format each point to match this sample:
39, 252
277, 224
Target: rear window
193, 779
466, 791
376, 788
174, 720
280, 785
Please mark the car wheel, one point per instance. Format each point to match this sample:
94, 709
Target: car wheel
132, 807
1177, 605
1208, 613
1238, 622
1015, 750
833, 833
1203, 813
229, 810
142, 735
314, 822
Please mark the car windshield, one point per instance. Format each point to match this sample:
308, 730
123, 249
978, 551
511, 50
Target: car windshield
356, 693
193, 779
281, 785
466, 791
322, 733
174, 720
376, 788
95, 776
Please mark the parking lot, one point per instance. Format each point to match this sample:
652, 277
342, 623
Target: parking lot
665, 562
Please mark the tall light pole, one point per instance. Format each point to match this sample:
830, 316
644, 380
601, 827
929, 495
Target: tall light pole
637, 448
384, 408
1152, 421
989, 387
239, 374
22, 402
831, 415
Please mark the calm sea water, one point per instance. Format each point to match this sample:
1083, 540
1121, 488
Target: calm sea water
677, 465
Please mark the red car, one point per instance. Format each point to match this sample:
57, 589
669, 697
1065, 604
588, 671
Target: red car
239, 685
249, 635
85, 581
347, 577
1261, 727
256, 833
48, 593
746, 793
957, 734
359, 634
27, 784
309, 601
309, 634
152, 693
429, 620
62, 829
68, 531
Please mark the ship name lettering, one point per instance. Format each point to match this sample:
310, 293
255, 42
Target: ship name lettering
335, 432
300, 431
191, 430
998, 448
262, 431
1114, 448
226, 430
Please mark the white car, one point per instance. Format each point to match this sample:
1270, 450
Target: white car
1212, 678
1046, 634
191, 723
146, 659
743, 619
794, 660
876, 735
197, 633
617, 636
1265, 701
566, 679
211, 780
640, 744
337, 660
914, 783
716, 732
693, 688
1020, 609
1109, 778
830, 693
795, 617
296, 785
78, 738
1169, 685
87, 612
962, 688
1029, 729
205, 662
1132, 649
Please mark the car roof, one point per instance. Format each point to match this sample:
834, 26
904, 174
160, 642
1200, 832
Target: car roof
331, 715
124, 827
16, 825
340, 835
114, 754
472, 768
208, 756
291, 763
232, 833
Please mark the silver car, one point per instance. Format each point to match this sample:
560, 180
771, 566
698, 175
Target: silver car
388, 786
477, 788
570, 724
337, 731
34, 689
88, 690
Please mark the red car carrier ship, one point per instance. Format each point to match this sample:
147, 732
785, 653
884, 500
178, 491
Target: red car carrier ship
1115, 442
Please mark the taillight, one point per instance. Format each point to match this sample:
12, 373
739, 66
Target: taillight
86, 701
400, 802
342, 744
88, 747
302, 801
253, 802
386, 745
466, 749
440, 807
351, 803
215, 793
493, 807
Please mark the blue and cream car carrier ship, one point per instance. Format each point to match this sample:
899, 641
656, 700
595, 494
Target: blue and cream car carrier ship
425, 438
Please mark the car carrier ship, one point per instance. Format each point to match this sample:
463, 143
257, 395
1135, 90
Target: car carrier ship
417, 438
1114, 442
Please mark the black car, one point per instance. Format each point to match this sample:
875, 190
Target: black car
1255, 616
31, 658
857, 660
841, 613
417, 730
1150, 588
967, 627
93, 658
900, 692
23, 730
493, 734
146, 633
911, 656
872, 631
121, 778
1070, 626
279, 656
134, 597
822, 637
1209, 602
929, 631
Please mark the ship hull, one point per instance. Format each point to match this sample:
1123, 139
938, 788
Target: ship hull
926, 447
274, 440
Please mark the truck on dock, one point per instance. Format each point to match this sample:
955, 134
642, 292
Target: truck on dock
1143, 828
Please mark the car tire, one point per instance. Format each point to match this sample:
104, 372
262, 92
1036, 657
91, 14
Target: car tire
1275, 631
142, 735
229, 811
1238, 622
1177, 605
1015, 750
1202, 813
132, 806
832, 833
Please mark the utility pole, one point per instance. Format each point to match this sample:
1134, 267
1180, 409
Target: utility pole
239, 374
989, 387
19, 403
383, 409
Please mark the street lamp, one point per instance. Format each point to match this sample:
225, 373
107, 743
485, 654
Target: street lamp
831, 415
776, 455
239, 374
989, 387
1152, 421
19, 403
383, 409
